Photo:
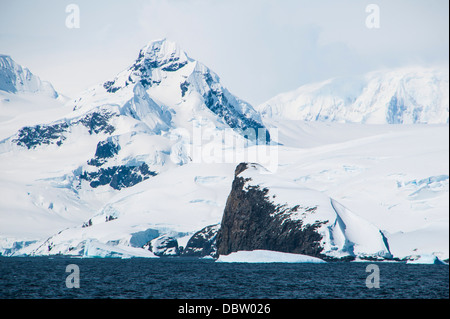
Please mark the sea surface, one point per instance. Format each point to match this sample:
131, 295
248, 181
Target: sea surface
179, 278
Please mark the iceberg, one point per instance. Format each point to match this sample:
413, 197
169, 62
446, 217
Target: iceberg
267, 256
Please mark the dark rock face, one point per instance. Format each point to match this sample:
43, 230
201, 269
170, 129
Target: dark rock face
141, 70
87, 224
97, 122
105, 149
184, 87
218, 103
174, 66
118, 177
240, 168
202, 243
251, 221
33, 136
164, 246
109, 86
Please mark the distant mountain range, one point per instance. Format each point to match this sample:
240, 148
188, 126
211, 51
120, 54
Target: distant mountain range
413, 95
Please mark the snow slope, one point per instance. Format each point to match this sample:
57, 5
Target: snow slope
177, 203
27, 109
408, 95
394, 176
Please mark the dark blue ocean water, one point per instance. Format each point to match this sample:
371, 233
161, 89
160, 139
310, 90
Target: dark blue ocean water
43, 277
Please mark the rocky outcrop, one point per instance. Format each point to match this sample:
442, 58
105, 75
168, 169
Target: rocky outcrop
33, 136
265, 212
251, 221
55, 133
202, 243
163, 246
105, 150
118, 177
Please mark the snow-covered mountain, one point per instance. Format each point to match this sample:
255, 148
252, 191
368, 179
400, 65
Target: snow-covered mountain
174, 82
142, 120
398, 96
15, 78
110, 173
111, 137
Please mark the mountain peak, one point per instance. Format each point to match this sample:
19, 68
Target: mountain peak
156, 56
170, 78
5, 59
162, 52
15, 78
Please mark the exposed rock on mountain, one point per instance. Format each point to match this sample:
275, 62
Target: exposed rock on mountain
105, 149
118, 177
202, 243
268, 213
95, 122
163, 246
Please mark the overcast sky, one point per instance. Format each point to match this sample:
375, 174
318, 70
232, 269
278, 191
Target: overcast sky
259, 48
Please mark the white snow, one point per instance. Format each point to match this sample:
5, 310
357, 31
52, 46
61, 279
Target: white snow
27, 109
143, 108
266, 256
